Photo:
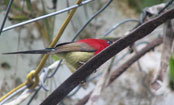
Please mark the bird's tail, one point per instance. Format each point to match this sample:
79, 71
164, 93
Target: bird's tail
42, 51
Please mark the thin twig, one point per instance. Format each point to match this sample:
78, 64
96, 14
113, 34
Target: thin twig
84, 100
84, 71
100, 86
138, 62
166, 53
133, 59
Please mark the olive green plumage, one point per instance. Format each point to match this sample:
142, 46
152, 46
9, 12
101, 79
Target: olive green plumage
75, 59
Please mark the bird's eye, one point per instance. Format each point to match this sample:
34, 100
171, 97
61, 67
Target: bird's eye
109, 42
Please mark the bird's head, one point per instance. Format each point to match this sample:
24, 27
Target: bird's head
98, 44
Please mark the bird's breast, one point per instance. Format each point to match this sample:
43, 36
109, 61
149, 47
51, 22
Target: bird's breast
75, 59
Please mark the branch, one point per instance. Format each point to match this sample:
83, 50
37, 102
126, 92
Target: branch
84, 71
127, 64
166, 53
133, 59
98, 88
101, 84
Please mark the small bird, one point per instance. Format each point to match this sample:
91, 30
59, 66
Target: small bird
74, 53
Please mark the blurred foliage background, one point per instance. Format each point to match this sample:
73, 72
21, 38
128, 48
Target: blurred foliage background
139, 5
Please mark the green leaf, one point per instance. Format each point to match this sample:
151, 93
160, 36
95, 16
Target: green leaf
55, 57
19, 18
7, 2
14, 6
29, 6
46, 21
171, 65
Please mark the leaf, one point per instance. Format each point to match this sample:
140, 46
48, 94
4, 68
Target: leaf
19, 18
29, 6
7, 2
47, 25
14, 6
171, 65
55, 57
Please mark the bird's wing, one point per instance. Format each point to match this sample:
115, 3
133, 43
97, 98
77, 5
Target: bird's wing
74, 46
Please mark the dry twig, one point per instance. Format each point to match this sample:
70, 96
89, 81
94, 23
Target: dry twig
166, 53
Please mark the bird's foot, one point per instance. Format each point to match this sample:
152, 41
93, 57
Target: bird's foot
83, 84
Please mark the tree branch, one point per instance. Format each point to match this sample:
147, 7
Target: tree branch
84, 71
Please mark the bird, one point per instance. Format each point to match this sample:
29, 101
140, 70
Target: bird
76, 53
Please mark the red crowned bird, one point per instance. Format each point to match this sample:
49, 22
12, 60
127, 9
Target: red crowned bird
74, 53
